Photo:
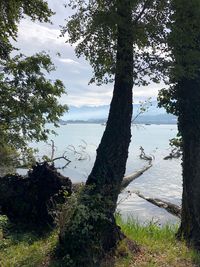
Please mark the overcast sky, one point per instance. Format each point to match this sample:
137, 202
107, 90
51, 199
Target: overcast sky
75, 73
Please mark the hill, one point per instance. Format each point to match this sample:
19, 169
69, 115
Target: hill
99, 114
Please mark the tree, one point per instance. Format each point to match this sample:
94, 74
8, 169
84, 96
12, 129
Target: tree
114, 37
28, 100
11, 12
183, 100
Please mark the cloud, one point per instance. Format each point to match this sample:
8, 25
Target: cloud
68, 61
29, 31
147, 91
75, 73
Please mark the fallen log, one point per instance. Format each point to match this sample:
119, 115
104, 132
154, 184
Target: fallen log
130, 178
28, 199
125, 182
168, 206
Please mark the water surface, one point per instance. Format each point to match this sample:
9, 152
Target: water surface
163, 180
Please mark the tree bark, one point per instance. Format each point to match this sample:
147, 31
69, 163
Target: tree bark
185, 77
112, 153
110, 164
189, 126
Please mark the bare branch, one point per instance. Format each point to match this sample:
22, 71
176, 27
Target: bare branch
144, 156
53, 149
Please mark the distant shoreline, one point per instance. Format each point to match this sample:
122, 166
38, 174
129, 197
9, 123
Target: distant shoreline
103, 122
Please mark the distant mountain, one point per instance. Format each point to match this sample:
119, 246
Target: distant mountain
87, 113
99, 114
157, 119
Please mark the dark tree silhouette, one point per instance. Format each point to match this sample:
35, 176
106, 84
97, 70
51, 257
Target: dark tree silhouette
183, 100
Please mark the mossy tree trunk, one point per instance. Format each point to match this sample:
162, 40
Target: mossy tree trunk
97, 233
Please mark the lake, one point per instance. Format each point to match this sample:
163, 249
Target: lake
163, 180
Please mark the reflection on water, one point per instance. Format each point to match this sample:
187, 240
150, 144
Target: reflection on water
163, 180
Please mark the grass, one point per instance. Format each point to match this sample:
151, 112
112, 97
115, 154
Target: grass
27, 252
158, 246
21, 248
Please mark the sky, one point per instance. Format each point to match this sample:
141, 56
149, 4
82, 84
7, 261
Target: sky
75, 72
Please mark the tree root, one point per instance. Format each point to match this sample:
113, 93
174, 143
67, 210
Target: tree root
28, 199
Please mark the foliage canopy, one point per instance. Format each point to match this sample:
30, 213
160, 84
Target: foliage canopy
11, 12
28, 99
183, 41
93, 29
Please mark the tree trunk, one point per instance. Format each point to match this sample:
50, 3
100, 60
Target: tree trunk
184, 41
189, 126
104, 183
109, 168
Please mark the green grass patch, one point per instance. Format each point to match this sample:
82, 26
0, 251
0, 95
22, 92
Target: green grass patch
159, 247
24, 248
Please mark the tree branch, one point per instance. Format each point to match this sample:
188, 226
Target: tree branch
141, 12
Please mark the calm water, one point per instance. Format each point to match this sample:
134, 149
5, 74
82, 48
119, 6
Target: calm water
163, 180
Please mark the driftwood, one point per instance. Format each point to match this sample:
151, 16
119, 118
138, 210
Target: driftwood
168, 206
125, 182
129, 178
144, 156
174, 154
